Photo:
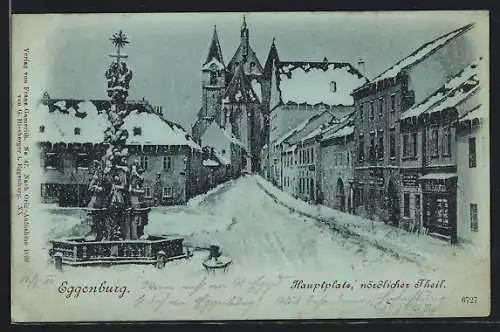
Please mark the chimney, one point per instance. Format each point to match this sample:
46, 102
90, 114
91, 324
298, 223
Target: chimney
362, 66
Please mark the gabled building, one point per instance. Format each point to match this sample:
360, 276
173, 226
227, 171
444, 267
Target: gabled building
70, 139
429, 153
232, 95
379, 105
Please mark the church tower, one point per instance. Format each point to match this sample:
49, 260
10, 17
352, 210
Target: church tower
213, 81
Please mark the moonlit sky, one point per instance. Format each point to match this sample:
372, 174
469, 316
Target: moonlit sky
167, 50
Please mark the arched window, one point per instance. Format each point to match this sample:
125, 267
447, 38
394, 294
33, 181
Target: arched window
77, 131
252, 66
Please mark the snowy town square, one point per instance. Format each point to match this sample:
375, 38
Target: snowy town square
257, 166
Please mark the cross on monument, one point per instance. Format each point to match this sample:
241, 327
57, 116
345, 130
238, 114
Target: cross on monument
119, 40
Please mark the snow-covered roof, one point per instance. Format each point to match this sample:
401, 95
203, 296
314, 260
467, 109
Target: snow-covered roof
451, 93
315, 132
421, 53
234, 140
83, 126
61, 119
438, 176
345, 131
330, 83
156, 131
473, 114
222, 159
210, 163
301, 126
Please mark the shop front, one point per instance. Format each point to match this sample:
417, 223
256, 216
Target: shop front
439, 205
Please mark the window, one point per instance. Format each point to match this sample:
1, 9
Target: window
372, 146
380, 107
333, 86
434, 142
144, 162
472, 152
380, 151
137, 131
147, 192
167, 163
414, 142
213, 78
82, 160
406, 205
473, 218
167, 192
446, 144
42, 129
405, 145
393, 103
361, 148
223, 151
392, 143
49, 190
372, 110
51, 160
76, 131
360, 111
312, 155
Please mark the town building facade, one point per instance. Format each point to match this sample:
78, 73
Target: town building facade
70, 138
337, 168
473, 174
429, 154
379, 105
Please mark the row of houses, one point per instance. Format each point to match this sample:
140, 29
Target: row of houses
409, 146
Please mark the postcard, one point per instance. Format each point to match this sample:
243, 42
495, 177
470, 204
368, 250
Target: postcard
250, 166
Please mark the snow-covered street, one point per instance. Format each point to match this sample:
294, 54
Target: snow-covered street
264, 229
273, 239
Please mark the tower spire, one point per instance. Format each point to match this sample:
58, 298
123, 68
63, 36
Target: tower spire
214, 52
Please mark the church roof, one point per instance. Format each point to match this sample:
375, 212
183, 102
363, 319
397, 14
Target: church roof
240, 88
214, 52
238, 58
272, 56
312, 83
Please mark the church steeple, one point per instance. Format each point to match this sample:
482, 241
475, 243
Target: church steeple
244, 37
272, 56
214, 52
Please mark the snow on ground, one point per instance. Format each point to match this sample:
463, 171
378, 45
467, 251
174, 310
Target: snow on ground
264, 229
410, 246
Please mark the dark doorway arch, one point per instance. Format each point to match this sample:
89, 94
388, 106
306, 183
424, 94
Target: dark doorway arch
340, 193
392, 202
